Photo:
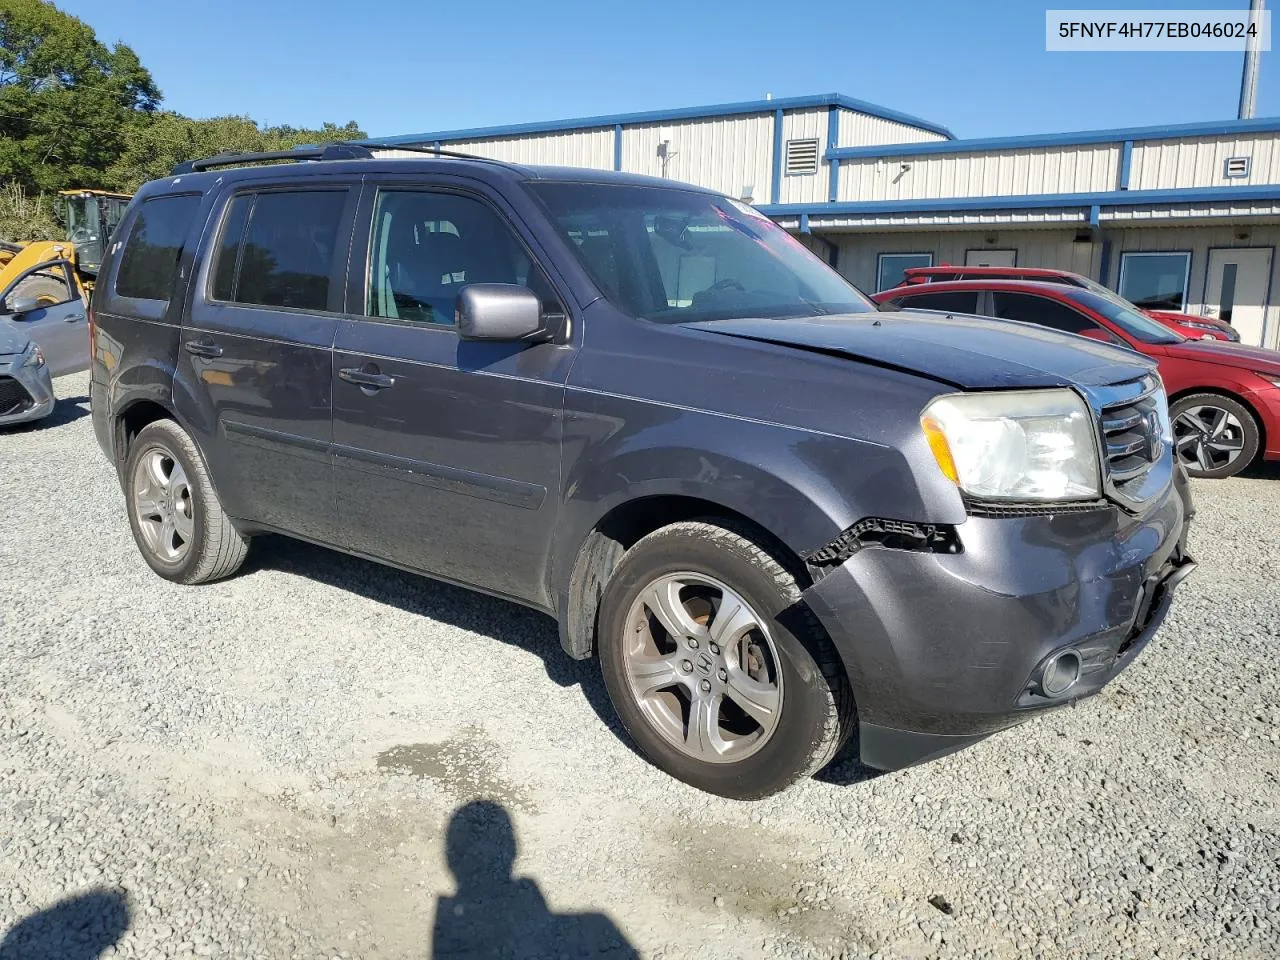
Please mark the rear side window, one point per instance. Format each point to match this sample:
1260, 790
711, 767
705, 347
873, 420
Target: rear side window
150, 258
1042, 311
277, 249
958, 301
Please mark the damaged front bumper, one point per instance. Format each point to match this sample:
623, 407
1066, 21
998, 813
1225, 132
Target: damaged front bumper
945, 647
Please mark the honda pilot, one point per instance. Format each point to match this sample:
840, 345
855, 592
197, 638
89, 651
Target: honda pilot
777, 516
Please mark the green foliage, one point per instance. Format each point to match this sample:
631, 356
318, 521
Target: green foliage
75, 113
154, 143
26, 217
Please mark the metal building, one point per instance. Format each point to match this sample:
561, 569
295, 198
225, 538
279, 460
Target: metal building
1178, 217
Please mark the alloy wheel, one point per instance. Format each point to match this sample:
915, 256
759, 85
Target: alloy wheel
163, 505
702, 667
1208, 437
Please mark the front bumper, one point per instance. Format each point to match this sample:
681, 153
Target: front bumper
26, 393
945, 649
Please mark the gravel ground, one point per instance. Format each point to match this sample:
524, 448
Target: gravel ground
286, 765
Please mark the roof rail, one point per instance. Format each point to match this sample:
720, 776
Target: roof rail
329, 151
343, 150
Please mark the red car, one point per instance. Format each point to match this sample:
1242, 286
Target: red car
1224, 398
1187, 324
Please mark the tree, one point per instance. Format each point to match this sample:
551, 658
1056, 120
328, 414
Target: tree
155, 142
65, 98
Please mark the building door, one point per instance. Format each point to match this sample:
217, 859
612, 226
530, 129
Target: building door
991, 258
1236, 290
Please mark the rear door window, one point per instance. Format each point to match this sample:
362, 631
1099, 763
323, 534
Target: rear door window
149, 261
277, 249
952, 301
1042, 311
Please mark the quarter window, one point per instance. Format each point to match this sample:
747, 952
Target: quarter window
891, 267
149, 262
427, 246
1155, 281
277, 249
1041, 311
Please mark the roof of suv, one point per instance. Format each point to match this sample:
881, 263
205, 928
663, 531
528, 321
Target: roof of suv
1048, 288
491, 171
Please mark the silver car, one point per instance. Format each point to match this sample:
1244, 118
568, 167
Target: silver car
26, 389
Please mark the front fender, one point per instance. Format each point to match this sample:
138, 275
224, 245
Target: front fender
804, 487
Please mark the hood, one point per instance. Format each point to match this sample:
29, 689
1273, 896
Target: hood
12, 340
974, 353
1188, 318
1230, 354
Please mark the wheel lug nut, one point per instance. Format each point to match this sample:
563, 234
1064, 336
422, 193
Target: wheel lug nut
693, 643
722, 674
705, 686
686, 666
715, 649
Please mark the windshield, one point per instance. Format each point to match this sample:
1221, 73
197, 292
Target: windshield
1127, 317
676, 256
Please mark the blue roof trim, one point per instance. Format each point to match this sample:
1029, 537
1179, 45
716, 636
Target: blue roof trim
660, 116
1110, 198
1119, 135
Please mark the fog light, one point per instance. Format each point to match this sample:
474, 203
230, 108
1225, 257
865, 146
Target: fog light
1060, 673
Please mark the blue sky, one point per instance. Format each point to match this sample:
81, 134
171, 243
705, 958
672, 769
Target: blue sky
978, 67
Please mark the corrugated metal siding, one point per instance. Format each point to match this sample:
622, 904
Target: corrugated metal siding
1198, 162
725, 154
1036, 248
809, 187
580, 148
1071, 215
863, 130
998, 173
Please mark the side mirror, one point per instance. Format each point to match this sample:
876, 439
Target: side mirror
499, 311
20, 305
889, 306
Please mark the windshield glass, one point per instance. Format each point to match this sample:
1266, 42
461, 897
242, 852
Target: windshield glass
676, 256
1126, 316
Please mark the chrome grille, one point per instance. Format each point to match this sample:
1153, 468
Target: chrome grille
1132, 439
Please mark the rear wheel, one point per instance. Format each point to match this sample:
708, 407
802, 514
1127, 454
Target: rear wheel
43, 290
1214, 436
176, 517
717, 669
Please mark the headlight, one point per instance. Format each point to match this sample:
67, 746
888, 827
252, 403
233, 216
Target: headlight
35, 356
1198, 325
1036, 445
1273, 378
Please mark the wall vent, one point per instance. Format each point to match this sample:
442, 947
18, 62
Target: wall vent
802, 157
1236, 168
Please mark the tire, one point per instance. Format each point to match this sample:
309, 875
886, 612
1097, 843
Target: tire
1208, 454
44, 290
165, 479
786, 652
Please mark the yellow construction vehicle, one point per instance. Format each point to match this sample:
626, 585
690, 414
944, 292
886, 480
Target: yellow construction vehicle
90, 216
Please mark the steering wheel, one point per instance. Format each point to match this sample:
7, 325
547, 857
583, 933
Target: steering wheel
728, 283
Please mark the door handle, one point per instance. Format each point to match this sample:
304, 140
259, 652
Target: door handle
203, 348
73, 318
366, 378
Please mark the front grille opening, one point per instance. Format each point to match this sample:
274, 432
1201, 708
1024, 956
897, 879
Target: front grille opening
13, 397
1131, 440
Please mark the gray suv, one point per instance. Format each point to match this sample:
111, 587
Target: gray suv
778, 517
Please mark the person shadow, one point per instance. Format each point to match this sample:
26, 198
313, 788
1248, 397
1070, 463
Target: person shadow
493, 914
77, 928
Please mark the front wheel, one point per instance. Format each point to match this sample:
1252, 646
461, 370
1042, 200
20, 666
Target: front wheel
1215, 436
717, 669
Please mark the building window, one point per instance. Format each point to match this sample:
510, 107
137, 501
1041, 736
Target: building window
1236, 168
802, 157
891, 267
1155, 281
